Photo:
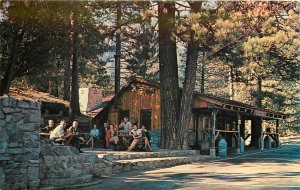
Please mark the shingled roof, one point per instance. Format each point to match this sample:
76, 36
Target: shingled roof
226, 104
33, 95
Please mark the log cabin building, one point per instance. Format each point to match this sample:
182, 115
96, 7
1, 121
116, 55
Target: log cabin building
212, 118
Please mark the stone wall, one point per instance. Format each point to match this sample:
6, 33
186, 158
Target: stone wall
62, 166
19, 144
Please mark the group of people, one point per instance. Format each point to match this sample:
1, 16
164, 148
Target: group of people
126, 134
61, 135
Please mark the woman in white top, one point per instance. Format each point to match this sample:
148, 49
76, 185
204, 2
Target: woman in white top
137, 137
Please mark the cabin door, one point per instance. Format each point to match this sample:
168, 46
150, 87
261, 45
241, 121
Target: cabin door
122, 114
145, 118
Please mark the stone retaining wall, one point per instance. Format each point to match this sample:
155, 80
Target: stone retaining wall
19, 144
63, 166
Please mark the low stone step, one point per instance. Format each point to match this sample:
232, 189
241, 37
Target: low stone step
120, 166
56, 183
110, 156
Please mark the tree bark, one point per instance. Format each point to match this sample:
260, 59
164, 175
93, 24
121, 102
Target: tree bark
188, 87
7, 79
9, 72
67, 78
256, 92
118, 55
168, 74
231, 83
202, 87
256, 124
74, 99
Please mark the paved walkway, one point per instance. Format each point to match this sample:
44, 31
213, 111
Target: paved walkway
268, 169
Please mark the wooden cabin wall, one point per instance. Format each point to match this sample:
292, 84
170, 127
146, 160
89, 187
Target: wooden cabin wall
135, 101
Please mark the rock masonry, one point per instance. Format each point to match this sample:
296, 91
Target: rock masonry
26, 162
19, 144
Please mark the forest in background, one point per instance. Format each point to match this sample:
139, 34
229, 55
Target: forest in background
244, 51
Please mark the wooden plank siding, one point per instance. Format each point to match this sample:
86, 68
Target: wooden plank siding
142, 94
135, 101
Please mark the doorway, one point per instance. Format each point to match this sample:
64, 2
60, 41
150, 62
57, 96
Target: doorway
145, 118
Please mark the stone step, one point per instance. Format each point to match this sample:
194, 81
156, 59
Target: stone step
110, 156
56, 183
94, 181
120, 166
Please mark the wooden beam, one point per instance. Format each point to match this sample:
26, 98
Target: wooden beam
239, 130
277, 131
213, 141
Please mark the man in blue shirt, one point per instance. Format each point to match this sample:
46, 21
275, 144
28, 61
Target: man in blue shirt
94, 134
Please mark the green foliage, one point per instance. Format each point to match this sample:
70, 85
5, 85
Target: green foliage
43, 31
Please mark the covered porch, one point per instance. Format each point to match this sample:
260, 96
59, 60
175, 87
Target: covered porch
238, 124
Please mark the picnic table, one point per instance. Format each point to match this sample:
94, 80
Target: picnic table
44, 135
272, 135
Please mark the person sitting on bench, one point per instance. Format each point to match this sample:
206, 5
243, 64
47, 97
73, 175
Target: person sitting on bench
49, 128
111, 137
94, 134
58, 134
146, 137
137, 137
75, 139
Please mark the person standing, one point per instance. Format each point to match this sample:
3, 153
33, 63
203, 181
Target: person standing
126, 126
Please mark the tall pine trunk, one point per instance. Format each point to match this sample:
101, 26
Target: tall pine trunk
118, 55
67, 77
7, 79
168, 74
74, 99
202, 73
188, 86
256, 123
231, 83
256, 92
8, 76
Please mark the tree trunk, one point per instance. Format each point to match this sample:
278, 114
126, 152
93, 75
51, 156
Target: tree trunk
256, 124
188, 87
169, 96
256, 92
118, 55
67, 78
7, 79
74, 100
53, 85
231, 83
202, 87
9, 72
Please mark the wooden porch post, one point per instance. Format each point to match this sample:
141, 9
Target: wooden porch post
213, 135
277, 131
239, 134
243, 128
196, 123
